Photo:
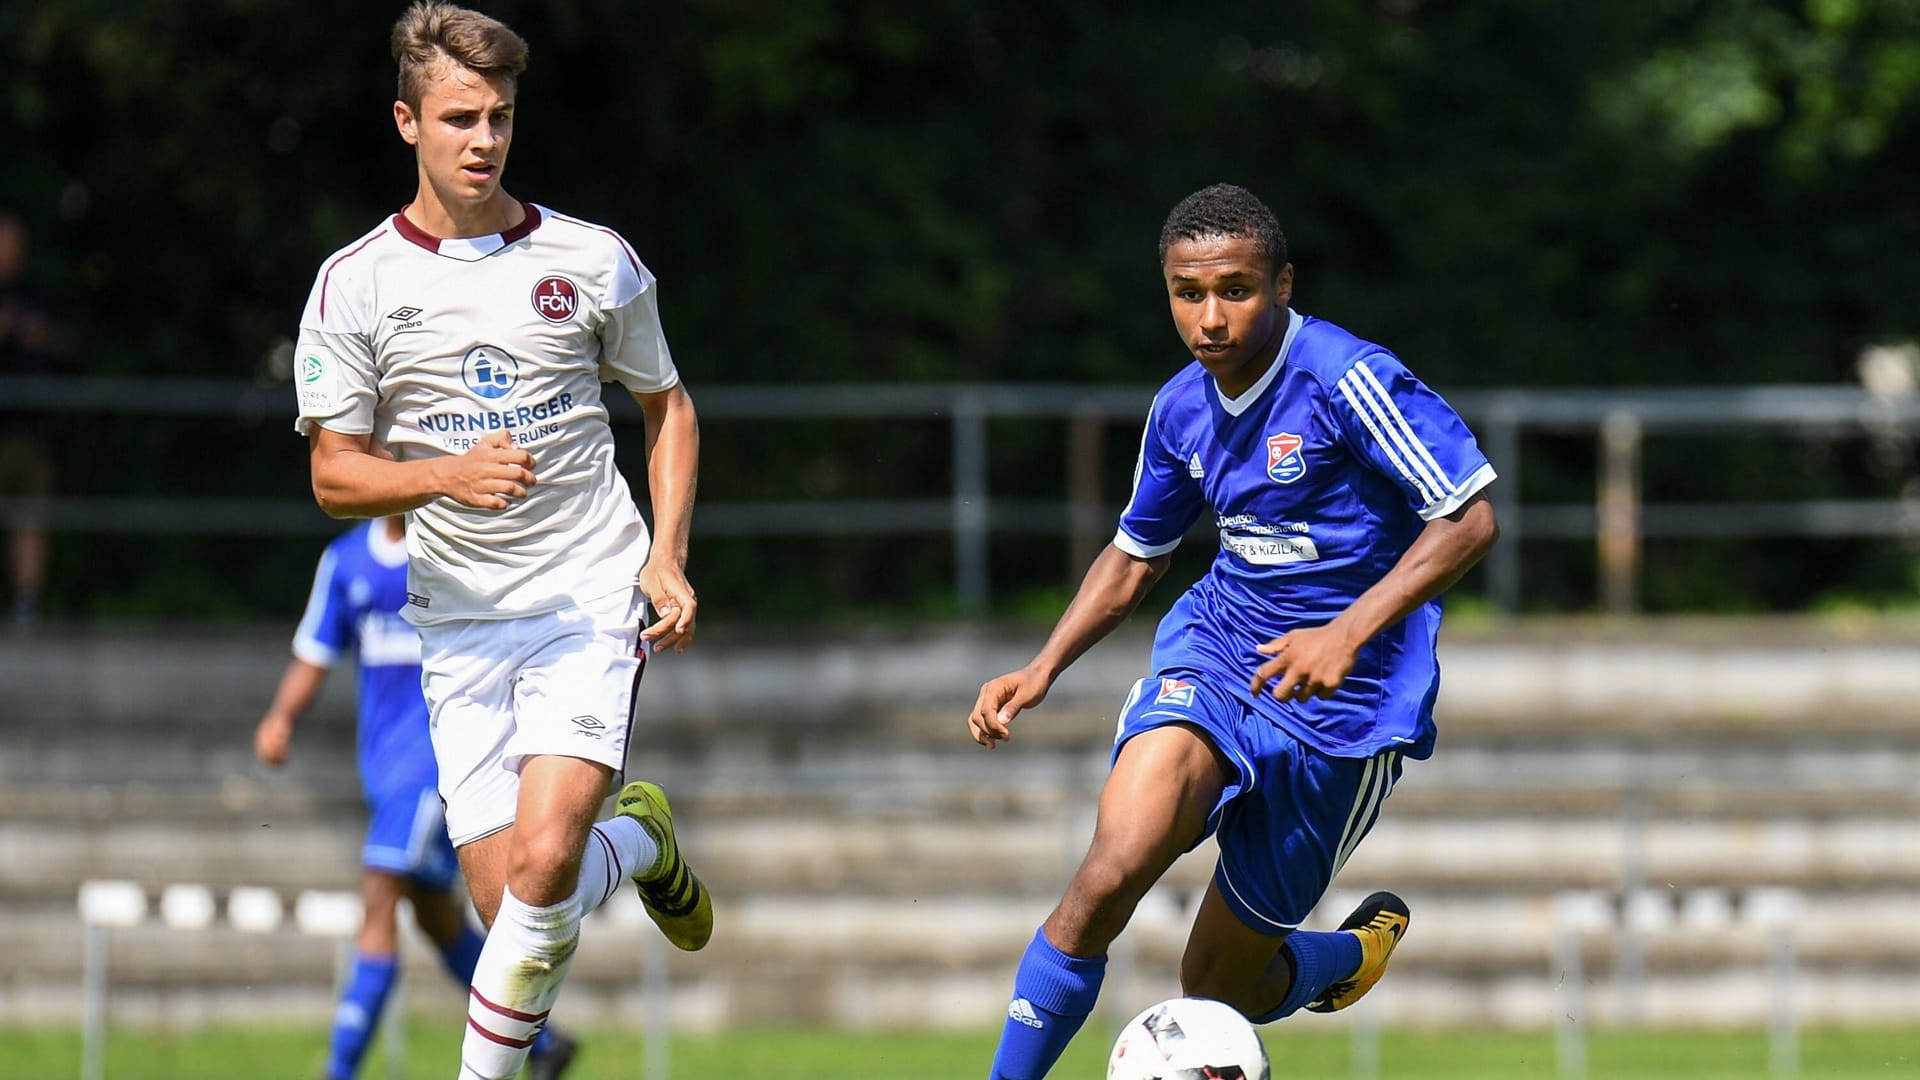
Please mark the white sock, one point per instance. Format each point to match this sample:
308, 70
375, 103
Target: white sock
616, 849
519, 974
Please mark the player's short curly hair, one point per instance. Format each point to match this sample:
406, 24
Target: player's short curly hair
430, 30
1225, 210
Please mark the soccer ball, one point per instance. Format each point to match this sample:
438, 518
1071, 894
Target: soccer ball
1188, 1039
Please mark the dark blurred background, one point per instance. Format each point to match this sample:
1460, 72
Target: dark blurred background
1661, 253
1509, 193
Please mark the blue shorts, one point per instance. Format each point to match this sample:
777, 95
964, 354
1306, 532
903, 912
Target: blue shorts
408, 836
1290, 817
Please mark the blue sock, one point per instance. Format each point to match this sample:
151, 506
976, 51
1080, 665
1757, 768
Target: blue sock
542, 1043
461, 956
358, 1014
1320, 959
1053, 993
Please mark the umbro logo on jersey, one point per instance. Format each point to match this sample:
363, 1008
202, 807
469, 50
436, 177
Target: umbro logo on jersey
555, 299
1022, 1011
1195, 469
405, 317
1285, 462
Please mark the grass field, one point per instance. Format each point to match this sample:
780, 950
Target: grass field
283, 1054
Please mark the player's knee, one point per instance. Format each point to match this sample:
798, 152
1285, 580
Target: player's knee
1100, 900
1118, 869
542, 854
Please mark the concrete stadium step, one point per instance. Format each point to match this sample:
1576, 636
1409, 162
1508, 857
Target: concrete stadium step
776, 941
1701, 676
1814, 775
918, 857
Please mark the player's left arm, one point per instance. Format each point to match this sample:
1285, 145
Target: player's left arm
634, 353
1400, 429
673, 470
1314, 661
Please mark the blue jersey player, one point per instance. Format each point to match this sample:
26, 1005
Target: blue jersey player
1290, 681
355, 607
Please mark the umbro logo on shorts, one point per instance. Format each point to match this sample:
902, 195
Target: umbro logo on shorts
590, 726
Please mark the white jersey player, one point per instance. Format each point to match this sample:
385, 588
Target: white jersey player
450, 366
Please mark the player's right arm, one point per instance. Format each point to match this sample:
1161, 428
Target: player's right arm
1166, 500
353, 479
299, 685
1113, 587
337, 382
326, 629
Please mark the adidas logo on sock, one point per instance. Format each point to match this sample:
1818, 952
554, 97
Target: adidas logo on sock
1022, 1010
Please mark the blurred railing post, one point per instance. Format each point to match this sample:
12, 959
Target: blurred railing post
1086, 431
93, 982
1619, 512
103, 905
1629, 951
970, 516
1503, 562
656, 992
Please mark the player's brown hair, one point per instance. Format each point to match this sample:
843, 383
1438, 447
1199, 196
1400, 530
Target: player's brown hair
431, 30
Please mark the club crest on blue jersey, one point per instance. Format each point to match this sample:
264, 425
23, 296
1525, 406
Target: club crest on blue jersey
1285, 462
1174, 692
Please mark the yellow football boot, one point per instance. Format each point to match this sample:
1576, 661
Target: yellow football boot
675, 899
1379, 922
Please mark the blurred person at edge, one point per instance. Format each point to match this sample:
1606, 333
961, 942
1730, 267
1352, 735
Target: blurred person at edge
29, 345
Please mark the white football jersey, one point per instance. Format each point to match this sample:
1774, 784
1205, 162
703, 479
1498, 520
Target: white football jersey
429, 345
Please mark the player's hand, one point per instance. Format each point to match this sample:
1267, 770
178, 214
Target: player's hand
666, 588
1001, 700
489, 476
272, 737
1306, 663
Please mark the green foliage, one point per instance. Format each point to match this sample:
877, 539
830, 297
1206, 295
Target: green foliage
1513, 192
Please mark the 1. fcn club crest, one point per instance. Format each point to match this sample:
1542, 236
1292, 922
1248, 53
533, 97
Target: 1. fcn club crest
1285, 462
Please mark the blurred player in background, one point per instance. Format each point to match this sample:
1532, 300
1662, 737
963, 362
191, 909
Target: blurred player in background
1289, 681
469, 335
355, 607
28, 346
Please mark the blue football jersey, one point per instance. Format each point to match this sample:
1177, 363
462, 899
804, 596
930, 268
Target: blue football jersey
1319, 477
355, 606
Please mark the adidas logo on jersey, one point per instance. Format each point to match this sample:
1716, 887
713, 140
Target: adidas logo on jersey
1022, 1010
1194, 469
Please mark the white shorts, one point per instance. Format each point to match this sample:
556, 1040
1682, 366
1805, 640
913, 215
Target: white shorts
504, 690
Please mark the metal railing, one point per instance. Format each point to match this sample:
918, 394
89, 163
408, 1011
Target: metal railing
1617, 519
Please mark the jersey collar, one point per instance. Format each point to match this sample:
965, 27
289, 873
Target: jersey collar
468, 248
1237, 405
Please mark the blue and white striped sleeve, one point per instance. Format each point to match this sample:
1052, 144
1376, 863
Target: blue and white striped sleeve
1410, 435
326, 629
1166, 498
